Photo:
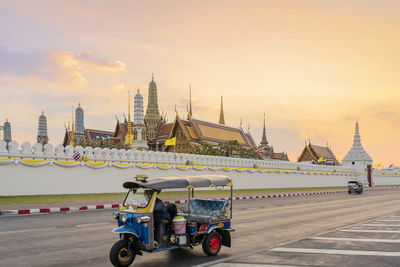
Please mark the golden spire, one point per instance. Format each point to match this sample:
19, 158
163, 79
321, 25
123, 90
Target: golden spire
190, 99
129, 135
221, 115
72, 141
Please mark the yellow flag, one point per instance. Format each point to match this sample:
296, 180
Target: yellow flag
320, 159
379, 165
170, 142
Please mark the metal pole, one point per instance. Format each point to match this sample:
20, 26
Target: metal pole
188, 206
231, 199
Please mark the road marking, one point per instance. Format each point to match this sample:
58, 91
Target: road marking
27, 230
337, 251
369, 231
251, 265
370, 224
91, 224
388, 221
357, 239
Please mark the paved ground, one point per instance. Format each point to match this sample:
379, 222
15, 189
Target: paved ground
84, 239
374, 242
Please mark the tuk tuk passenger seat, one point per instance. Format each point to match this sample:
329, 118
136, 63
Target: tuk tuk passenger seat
206, 211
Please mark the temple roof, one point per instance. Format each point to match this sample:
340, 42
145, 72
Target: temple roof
197, 131
317, 152
93, 135
357, 152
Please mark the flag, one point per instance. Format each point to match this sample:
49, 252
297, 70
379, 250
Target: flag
170, 142
391, 165
260, 150
320, 159
77, 156
378, 165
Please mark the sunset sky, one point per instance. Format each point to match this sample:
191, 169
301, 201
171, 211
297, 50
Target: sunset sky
314, 67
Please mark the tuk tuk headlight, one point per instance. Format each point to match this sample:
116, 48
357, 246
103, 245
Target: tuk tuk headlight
124, 218
115, 215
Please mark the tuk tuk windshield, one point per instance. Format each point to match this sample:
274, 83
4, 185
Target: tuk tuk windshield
136, 197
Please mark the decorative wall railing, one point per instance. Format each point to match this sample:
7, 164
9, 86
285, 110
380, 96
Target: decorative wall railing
387, 172
98, 156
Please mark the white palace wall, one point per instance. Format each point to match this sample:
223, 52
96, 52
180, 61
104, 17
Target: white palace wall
28, 170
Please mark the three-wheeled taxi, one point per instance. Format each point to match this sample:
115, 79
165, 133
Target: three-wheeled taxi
354, 187
198, 221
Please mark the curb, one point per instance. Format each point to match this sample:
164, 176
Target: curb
116, 206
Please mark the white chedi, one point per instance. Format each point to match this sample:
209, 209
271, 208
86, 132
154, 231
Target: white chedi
357, 153
357, 157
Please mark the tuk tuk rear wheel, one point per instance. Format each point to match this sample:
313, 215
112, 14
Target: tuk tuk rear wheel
119, 254
212, 244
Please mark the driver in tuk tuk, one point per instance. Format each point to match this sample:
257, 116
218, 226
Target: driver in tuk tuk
161, 217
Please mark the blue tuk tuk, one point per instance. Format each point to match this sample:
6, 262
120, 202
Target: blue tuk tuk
200, 222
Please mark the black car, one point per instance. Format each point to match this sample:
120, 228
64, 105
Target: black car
355, 187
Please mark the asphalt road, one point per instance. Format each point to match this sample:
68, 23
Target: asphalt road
269, 232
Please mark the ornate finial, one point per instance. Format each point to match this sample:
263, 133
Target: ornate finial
176, 111
79, 104
190, 99
42, 112
309, 141
116, 117
72, 141
187, 109
221, 115
152, 76
240, 123
138, 90
6, 119
129, 105
248, 129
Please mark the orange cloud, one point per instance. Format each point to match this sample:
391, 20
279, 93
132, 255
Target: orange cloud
72, 67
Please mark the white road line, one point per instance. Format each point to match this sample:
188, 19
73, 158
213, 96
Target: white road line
27, 230
369, 231
91, 224
338, 252
251, 265
357, 239
370, 224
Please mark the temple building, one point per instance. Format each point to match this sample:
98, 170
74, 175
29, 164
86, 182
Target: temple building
7, 132
139, 128
133, 134
152, 117
42, 137
358, 158
74, 138
192, 133
79, 123
317, 154
269, 150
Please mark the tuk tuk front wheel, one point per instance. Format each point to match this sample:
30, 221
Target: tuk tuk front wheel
212, 244
120, 256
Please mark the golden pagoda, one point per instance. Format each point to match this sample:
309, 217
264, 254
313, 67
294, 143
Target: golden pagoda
129, 134
72, 140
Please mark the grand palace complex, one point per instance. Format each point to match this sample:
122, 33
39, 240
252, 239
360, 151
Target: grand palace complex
149, 130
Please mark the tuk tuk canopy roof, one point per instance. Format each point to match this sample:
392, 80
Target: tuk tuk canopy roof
180, 182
